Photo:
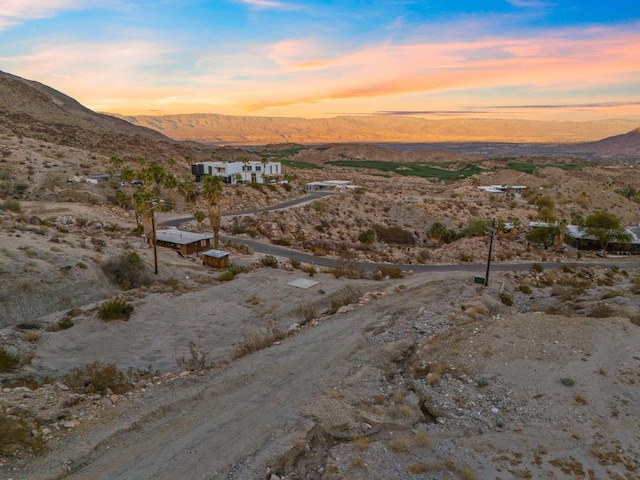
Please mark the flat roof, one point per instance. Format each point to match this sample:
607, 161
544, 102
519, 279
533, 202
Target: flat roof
215, 253
181, 237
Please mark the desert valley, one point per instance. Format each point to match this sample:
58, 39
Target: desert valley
399, 301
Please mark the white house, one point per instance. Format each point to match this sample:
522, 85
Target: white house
239, 172
329, 185
503, 188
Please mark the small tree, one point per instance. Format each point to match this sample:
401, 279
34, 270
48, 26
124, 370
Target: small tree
543, 235
606, 229
368, 236
477, 227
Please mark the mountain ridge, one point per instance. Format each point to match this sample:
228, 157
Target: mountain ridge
245, 130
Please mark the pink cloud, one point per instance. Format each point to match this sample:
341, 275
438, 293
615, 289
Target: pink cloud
552, 61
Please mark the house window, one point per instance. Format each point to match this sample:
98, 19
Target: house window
203, 243
257, 168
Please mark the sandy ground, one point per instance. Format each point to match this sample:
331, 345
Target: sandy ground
350, 397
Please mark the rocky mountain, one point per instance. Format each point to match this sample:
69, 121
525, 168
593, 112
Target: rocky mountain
29, 109
627, 144
222, 129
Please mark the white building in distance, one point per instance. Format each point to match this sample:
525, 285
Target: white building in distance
239, 172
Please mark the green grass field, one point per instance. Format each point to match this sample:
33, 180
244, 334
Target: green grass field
411, 169
296, 164
529, 167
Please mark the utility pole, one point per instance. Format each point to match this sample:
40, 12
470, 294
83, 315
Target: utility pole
152, 205
492, 231
153, 239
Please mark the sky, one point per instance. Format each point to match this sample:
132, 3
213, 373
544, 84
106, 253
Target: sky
513, 59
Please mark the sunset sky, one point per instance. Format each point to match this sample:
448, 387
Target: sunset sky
530, 59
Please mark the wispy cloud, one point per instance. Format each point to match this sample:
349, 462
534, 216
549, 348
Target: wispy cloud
269, 4
567, 60
13, 12
529, 3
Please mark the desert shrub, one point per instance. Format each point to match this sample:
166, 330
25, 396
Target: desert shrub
232, 271
506, 299
581, 399
32, 336
567, 381
601, 310
465, 257
269, 261
388, 272
477, 227
11, 206
440, 233
295, 263
320, 206
368, 236
8, 360
284, 242
400, 444
537, 267
238, 230
526, 289
128, 271
97, 378
262, 339
349, 268
115, 309
394, 234
361, 443
195, 359
306, 311
65, 323
287, 187
16, 434
341, 298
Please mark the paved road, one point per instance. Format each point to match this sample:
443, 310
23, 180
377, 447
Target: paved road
310, 197
476, 268
479, 268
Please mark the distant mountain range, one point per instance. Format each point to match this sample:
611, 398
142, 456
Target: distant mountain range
31, 109
238, 130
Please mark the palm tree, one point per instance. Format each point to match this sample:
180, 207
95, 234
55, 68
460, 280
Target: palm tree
562, 234
212, 188
199, 215
187, 189
516, 227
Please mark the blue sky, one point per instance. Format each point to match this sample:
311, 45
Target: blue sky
537, 59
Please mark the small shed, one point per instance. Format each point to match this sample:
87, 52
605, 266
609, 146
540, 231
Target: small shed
215, 258
187, 242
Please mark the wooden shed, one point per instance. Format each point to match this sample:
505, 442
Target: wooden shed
215, 258
187, 242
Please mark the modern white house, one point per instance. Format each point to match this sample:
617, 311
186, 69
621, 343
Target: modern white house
503, 188
329, 185
239, 172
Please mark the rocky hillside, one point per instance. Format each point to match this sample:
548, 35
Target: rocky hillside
33, 110
627, 144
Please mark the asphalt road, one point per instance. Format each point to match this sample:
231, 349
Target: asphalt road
475, 268
310, 197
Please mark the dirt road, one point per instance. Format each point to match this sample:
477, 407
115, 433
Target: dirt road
229, 423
